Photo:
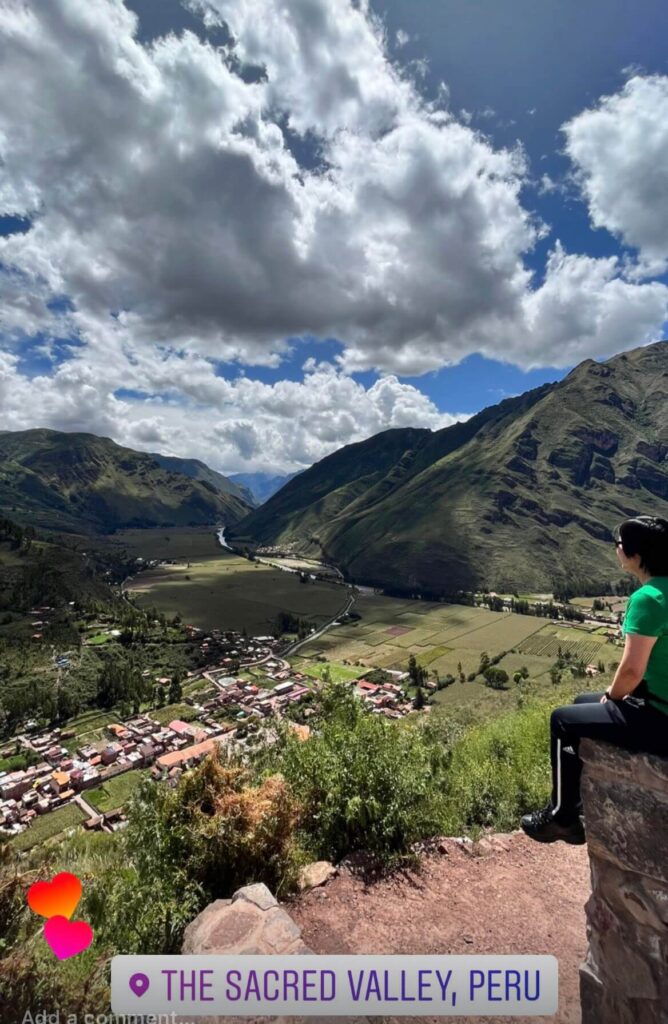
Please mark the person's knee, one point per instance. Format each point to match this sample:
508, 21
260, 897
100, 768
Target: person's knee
588, 698
556, 719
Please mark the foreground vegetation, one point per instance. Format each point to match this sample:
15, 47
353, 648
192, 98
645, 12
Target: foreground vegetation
359, 783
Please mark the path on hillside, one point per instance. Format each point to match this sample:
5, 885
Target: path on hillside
512, 896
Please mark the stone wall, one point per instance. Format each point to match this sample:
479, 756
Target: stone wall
624, 979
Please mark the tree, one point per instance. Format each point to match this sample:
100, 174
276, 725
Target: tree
555, 675
496, 678
417, 673
420, 699
175, 690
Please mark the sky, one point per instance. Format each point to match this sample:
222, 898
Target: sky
252, 231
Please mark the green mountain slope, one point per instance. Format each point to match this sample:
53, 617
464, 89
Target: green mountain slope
197, 470
521, 496
79, 482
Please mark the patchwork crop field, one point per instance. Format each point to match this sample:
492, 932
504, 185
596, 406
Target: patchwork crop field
450, 640
547, 644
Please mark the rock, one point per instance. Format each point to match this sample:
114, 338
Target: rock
625, 798
251, 922
257, 894
315, 874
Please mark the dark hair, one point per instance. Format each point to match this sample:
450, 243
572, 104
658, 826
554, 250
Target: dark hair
646, 536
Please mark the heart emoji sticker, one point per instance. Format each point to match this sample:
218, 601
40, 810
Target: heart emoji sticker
67, 938
58, 898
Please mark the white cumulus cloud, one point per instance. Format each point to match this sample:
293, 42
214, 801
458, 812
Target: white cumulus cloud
184, 211
620, 151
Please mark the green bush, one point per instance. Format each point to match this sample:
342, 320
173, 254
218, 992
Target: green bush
499, 770
363, 783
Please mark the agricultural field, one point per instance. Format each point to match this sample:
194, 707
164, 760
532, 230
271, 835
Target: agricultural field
338, 672
115, 792
49, 825
440, 636
89, 728
187, 543
182, 712
444, 637
547, 643
229, 592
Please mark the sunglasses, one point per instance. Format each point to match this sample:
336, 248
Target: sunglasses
618, 543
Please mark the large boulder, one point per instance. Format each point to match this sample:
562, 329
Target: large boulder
251, 922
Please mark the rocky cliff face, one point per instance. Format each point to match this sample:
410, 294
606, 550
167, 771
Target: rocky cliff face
625, 975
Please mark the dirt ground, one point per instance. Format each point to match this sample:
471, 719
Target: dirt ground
510, 895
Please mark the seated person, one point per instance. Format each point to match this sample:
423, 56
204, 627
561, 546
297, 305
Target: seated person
633, 712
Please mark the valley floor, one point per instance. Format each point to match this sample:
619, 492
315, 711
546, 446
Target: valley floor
512, 896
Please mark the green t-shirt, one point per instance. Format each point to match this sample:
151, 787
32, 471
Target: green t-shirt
647, 615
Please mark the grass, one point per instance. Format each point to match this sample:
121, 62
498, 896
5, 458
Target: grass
183, 712
339, 673
47, 826
190, 688
98, 639
114, 793
15, 763
229, 592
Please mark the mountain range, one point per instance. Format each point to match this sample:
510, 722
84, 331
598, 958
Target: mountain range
522, 496
83, 483
261, 486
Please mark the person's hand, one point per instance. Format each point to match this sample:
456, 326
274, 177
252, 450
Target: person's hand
605, 698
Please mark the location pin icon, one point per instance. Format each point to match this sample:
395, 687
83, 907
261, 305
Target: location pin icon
139, 984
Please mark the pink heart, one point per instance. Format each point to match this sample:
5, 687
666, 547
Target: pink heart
67, 938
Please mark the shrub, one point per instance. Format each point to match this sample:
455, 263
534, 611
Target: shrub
499, 770
363, 782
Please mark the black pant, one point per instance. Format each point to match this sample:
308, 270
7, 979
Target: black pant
630, 723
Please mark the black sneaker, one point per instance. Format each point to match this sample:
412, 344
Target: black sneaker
544, 828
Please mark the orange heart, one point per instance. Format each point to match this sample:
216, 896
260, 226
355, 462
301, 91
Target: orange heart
59, 897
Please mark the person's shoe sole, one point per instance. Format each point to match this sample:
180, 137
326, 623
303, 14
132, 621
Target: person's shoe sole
572, 840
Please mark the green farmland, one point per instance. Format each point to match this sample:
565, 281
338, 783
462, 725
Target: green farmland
114, 793
49, 825
229, 592
184, 543
449, 640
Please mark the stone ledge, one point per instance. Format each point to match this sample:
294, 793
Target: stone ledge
647, 770
625, 976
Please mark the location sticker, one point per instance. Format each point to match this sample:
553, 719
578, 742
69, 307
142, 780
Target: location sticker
139, 984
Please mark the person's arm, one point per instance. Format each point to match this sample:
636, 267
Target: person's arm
631, 669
